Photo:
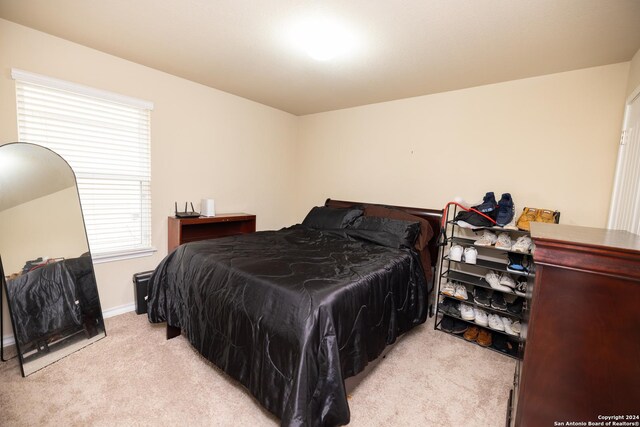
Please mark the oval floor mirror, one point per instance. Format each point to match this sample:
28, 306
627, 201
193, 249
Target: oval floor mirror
45, 263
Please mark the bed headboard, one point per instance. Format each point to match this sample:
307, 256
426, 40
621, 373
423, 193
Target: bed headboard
434, 216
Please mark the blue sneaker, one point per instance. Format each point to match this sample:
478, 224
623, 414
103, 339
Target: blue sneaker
488, 203
517, 263
506, 210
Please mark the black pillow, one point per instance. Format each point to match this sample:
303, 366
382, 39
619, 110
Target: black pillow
326, 218
388, 232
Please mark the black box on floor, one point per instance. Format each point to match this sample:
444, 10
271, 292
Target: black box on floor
140, 288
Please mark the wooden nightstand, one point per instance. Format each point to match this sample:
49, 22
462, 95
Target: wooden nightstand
183, 230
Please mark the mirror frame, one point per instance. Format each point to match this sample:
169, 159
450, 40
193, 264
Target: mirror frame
3, 282
4, 290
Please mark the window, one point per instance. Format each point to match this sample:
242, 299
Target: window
105, 137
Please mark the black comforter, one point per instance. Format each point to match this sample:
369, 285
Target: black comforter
43, 301
291, 313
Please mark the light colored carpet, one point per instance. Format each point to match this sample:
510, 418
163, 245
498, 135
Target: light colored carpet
134, 377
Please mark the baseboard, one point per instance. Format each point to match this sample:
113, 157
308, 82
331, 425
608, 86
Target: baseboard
121, 309
8, 341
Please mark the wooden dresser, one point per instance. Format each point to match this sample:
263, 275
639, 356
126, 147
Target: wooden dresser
582, 354
183, 230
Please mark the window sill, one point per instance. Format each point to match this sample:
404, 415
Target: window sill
122, 255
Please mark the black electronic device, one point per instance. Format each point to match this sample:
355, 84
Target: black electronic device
140, 290
186, 214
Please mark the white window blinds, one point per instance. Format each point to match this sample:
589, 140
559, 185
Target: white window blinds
105, 138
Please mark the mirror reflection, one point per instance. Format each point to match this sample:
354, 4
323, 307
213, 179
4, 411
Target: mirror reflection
46, 264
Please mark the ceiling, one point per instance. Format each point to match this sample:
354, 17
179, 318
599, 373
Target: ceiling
404, 48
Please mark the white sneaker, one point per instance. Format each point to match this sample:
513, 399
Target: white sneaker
493, 279
466, 312
495, 322
470, 255
487, 238
448, 288
516, 328
508, 326
465, 224
507, 280
504, 241
512, 224
455, 253
460, 292
522, 245
480, 317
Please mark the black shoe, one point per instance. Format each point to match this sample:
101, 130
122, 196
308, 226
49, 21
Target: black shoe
506, 210
498, 302
481, 296
521, 287
512, 348
449, 306
515, 307
503, 344
500, 343
459, 327
470, 219
443, 306
488, 203
446, 324
454, 308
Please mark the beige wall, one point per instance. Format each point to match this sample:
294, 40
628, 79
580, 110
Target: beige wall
205, 143
634, 74
50, 226
550, 141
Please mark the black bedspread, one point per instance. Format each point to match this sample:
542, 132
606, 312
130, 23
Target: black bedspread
290, 313
44, 300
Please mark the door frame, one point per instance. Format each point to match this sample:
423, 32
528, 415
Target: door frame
614, 205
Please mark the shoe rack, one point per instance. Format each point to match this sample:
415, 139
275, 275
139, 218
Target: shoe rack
472, 277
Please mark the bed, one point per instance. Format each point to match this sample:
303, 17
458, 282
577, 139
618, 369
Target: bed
292, 313
53, 300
